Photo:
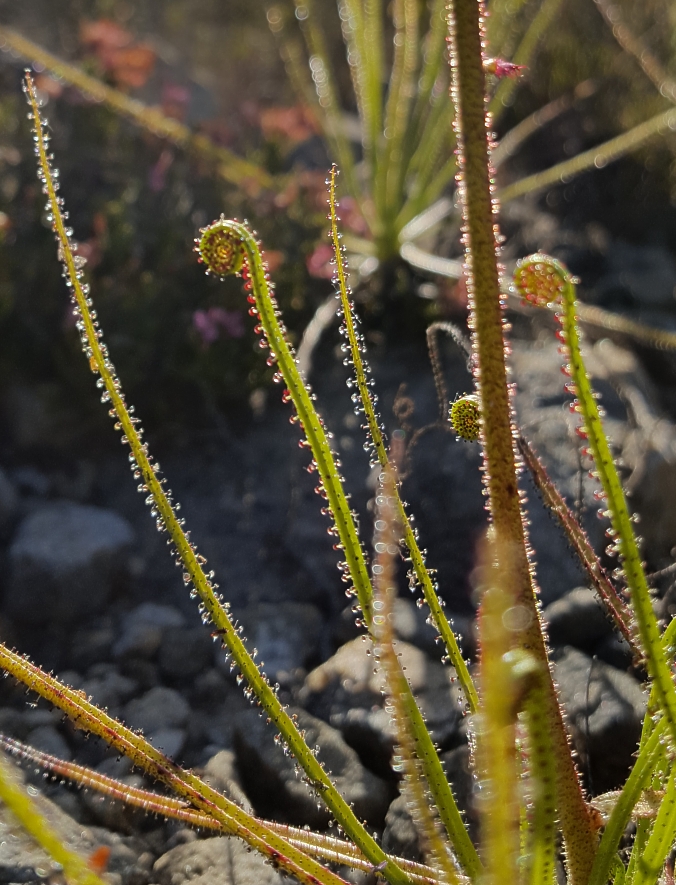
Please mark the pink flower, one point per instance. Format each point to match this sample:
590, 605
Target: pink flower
319, 262
210, 324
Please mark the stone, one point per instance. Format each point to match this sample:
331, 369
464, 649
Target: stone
142, 629
157, 709
217, 861
48, 739
270, 780
185, 652
577, 619
605, 708
9, 501
64, 561
22, 860
169, 741
108, 688
347, 693
220, 772
400, 836
288, 635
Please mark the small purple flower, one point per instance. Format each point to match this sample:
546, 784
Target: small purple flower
210, 324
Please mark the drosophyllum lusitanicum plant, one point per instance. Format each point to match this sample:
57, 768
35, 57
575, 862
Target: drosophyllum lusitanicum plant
537, 825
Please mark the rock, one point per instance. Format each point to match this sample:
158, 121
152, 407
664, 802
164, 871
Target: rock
217, 861
605, 709
91, 645
400, 836
22, 860
143, 628
157, 709
458, 770
64, 561
347, 693
577, 619
287, 635
8, 503
221, 773
169, 741
270, 780
108, 688
185, 652
49, 740
411, 625
112, 813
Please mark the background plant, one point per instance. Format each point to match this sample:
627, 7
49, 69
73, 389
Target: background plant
517, 701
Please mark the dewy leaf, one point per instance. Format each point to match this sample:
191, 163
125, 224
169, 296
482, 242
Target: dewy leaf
212, 607
320, 845
235, 820
545, 282
217, 241
479, 209
406, 762
367, 403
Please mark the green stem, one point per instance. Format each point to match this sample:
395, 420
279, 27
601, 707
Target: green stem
228, 246
595, 158
23, 808
320, 845
436, 847
497, 436
544, 281
235, 820
376, 439
212, 604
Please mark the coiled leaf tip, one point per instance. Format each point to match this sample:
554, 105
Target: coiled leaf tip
220, 249
465, 417
540, 279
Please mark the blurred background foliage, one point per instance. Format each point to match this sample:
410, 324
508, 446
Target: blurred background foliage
182, 343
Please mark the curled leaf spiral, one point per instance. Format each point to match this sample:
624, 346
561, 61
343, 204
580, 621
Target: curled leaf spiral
465, 417
541, 280
220, 249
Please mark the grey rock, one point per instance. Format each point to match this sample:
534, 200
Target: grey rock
21, 859
270, 780
411, 625
48, 739
605, 709
142, 629
91, 645
169, 740
8, 503
346, 692
112, 813
287, 635
217, 861
157, 709
577, 619
64, 561
221, 773
400, 836
108, 688
185, 652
